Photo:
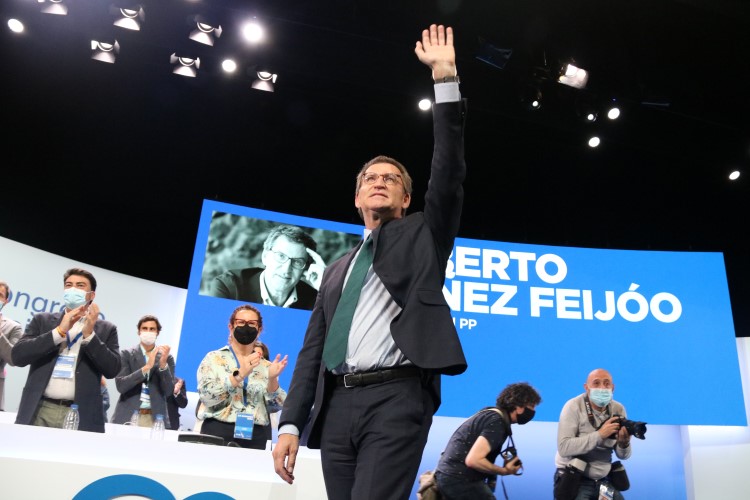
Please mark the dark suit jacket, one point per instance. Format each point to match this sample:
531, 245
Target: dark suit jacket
410, 257
130, 380
174, 403
244, 284
100, 356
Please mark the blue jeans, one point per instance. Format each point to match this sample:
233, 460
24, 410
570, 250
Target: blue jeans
453, 488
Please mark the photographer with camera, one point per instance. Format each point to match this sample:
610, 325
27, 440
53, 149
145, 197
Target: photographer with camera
467, 469
592, 426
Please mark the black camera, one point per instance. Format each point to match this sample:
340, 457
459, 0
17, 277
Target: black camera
510, 453
637, 429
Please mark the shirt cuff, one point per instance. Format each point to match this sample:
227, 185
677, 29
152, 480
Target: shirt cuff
289, 429
447, 92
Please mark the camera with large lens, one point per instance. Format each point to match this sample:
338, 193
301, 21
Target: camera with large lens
637, 429
509, 454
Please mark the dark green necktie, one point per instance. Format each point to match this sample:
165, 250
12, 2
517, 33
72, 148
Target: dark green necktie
334, 351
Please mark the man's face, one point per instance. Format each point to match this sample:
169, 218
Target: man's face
80, 282
149, 326
599, 379
3, 295
281, 277
387, 200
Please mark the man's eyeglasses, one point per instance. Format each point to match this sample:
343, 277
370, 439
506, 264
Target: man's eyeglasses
371, 178
242, 322
282, 258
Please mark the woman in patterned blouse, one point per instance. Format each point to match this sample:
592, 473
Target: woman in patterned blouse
237, 389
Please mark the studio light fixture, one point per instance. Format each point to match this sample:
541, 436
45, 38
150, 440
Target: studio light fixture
56, 7
130, 17
104, 51
185, 66
573, 76
204, 31
265, 81
492, 55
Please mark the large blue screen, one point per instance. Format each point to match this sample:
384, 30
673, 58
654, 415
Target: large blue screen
660, 322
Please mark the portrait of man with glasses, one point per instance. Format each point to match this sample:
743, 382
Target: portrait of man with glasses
288, 252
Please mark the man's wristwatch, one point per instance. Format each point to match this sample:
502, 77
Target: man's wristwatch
448, 79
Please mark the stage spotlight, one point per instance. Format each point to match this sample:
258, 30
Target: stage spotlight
613, 113
586, 108
104, 51
57, 7
594, 142
129, 18
734, 175
205, 32
185, 66
531, 97
425, 104
573, 76
228, 65
253, 32
265, 81
15, 25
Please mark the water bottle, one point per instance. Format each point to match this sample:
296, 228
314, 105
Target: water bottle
134, 418
157, 431
72, 419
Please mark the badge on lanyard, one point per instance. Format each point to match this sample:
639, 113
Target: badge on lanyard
64, 366
145, 397
606, 491
243, 427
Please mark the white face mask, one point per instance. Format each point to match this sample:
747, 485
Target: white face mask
148, 338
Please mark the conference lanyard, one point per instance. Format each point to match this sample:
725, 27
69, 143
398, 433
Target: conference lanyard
244, 380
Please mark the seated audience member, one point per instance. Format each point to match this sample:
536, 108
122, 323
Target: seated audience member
588, 432
146, 377
176, 400
10, 332
237, 389
67, 352
262, 350
287, 252
467, 469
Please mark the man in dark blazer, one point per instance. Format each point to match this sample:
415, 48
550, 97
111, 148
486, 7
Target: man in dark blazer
178, 399
146, 377
287, 254
68, 352
370, 414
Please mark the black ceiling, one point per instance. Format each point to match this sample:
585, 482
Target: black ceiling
109, 164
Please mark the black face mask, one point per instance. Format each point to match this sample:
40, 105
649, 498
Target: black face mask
525, 417
245, 335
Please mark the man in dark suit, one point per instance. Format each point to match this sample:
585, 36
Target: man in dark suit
68, 352
178, 399
146, 377
287, 253
370, 414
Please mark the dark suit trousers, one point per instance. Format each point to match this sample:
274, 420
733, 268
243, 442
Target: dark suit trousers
372, 439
